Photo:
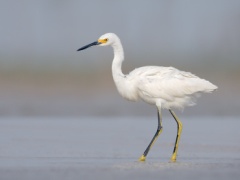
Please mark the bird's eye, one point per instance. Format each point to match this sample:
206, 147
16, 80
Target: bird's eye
106, 39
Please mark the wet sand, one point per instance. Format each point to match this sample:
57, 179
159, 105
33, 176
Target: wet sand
108, 148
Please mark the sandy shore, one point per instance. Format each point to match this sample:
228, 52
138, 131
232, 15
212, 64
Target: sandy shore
99, 148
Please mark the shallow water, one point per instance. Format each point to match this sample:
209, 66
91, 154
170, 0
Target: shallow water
108, 148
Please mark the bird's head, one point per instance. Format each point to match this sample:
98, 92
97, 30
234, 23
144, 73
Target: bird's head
104, 40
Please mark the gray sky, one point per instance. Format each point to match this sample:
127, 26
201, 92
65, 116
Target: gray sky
49, 32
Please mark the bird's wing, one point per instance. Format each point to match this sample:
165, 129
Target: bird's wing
168, 82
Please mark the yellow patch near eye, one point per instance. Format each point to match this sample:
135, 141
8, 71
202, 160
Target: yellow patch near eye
102, 40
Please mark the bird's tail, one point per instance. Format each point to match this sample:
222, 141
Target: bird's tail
207, 86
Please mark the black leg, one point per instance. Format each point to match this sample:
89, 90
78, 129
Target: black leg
158, 132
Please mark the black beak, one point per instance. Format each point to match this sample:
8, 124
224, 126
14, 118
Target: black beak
89, 45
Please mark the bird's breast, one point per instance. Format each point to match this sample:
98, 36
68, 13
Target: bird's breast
127, 89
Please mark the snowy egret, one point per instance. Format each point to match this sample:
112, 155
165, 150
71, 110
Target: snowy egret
164, 87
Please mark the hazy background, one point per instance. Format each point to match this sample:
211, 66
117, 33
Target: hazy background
42, 74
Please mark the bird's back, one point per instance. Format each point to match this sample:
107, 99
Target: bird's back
169, 86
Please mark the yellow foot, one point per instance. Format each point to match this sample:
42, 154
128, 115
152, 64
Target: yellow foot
174, 157
142, 158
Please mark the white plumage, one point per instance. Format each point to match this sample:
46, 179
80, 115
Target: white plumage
165, 87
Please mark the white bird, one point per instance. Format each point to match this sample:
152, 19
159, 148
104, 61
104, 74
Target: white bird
164, 87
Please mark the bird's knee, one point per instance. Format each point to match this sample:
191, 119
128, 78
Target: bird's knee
159, 130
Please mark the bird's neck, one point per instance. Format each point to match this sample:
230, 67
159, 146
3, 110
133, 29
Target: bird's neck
124, 86
117, 62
